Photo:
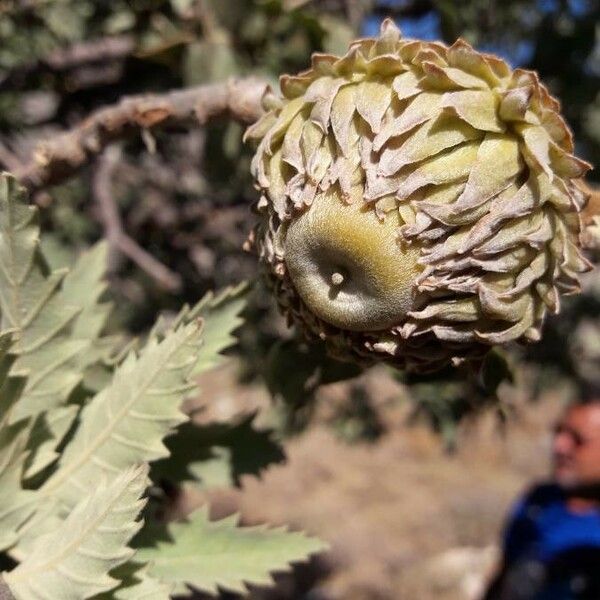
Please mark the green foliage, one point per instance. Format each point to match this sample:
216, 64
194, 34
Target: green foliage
74, 461
125, 423
444, 398
48, 430
217, 554
220, 316
16, 501
73, 561
32, 308
136, 584
294, 372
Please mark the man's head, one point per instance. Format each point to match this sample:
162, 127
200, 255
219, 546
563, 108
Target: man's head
576, 445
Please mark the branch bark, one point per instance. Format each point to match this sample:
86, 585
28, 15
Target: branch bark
57, 159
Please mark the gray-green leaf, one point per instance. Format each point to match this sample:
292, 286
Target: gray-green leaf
73, 561
125, 423
52, 318
210, 554
16, 504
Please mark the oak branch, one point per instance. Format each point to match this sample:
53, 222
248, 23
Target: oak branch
55, 160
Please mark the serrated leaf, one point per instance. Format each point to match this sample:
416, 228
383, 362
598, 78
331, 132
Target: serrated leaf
18, 242
83, 286
35, 306
136, 584
11, 389
28, 301
215, 471
221, 317
58, 253
125, 423
147, 588
6, 339
73, 562
16, 504
5, 344
211, 554
50, 373
47, 432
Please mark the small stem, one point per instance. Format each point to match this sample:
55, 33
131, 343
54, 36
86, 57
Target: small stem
337, 279
118, 240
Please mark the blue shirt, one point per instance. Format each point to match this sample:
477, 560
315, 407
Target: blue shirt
564, 546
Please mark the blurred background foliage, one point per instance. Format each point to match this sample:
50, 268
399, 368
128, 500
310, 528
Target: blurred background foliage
184, 196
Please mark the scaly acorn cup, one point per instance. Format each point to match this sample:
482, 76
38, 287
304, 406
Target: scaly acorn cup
418, 202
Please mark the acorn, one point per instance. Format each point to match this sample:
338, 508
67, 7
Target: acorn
418, 202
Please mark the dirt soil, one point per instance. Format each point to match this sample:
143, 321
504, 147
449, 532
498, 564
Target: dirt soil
404, 519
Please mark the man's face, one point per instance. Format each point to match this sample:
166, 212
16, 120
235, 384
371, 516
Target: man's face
576, 447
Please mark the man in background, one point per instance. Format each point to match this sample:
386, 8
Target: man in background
552, 541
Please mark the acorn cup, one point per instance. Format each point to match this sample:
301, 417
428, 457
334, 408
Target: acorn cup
418, 202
